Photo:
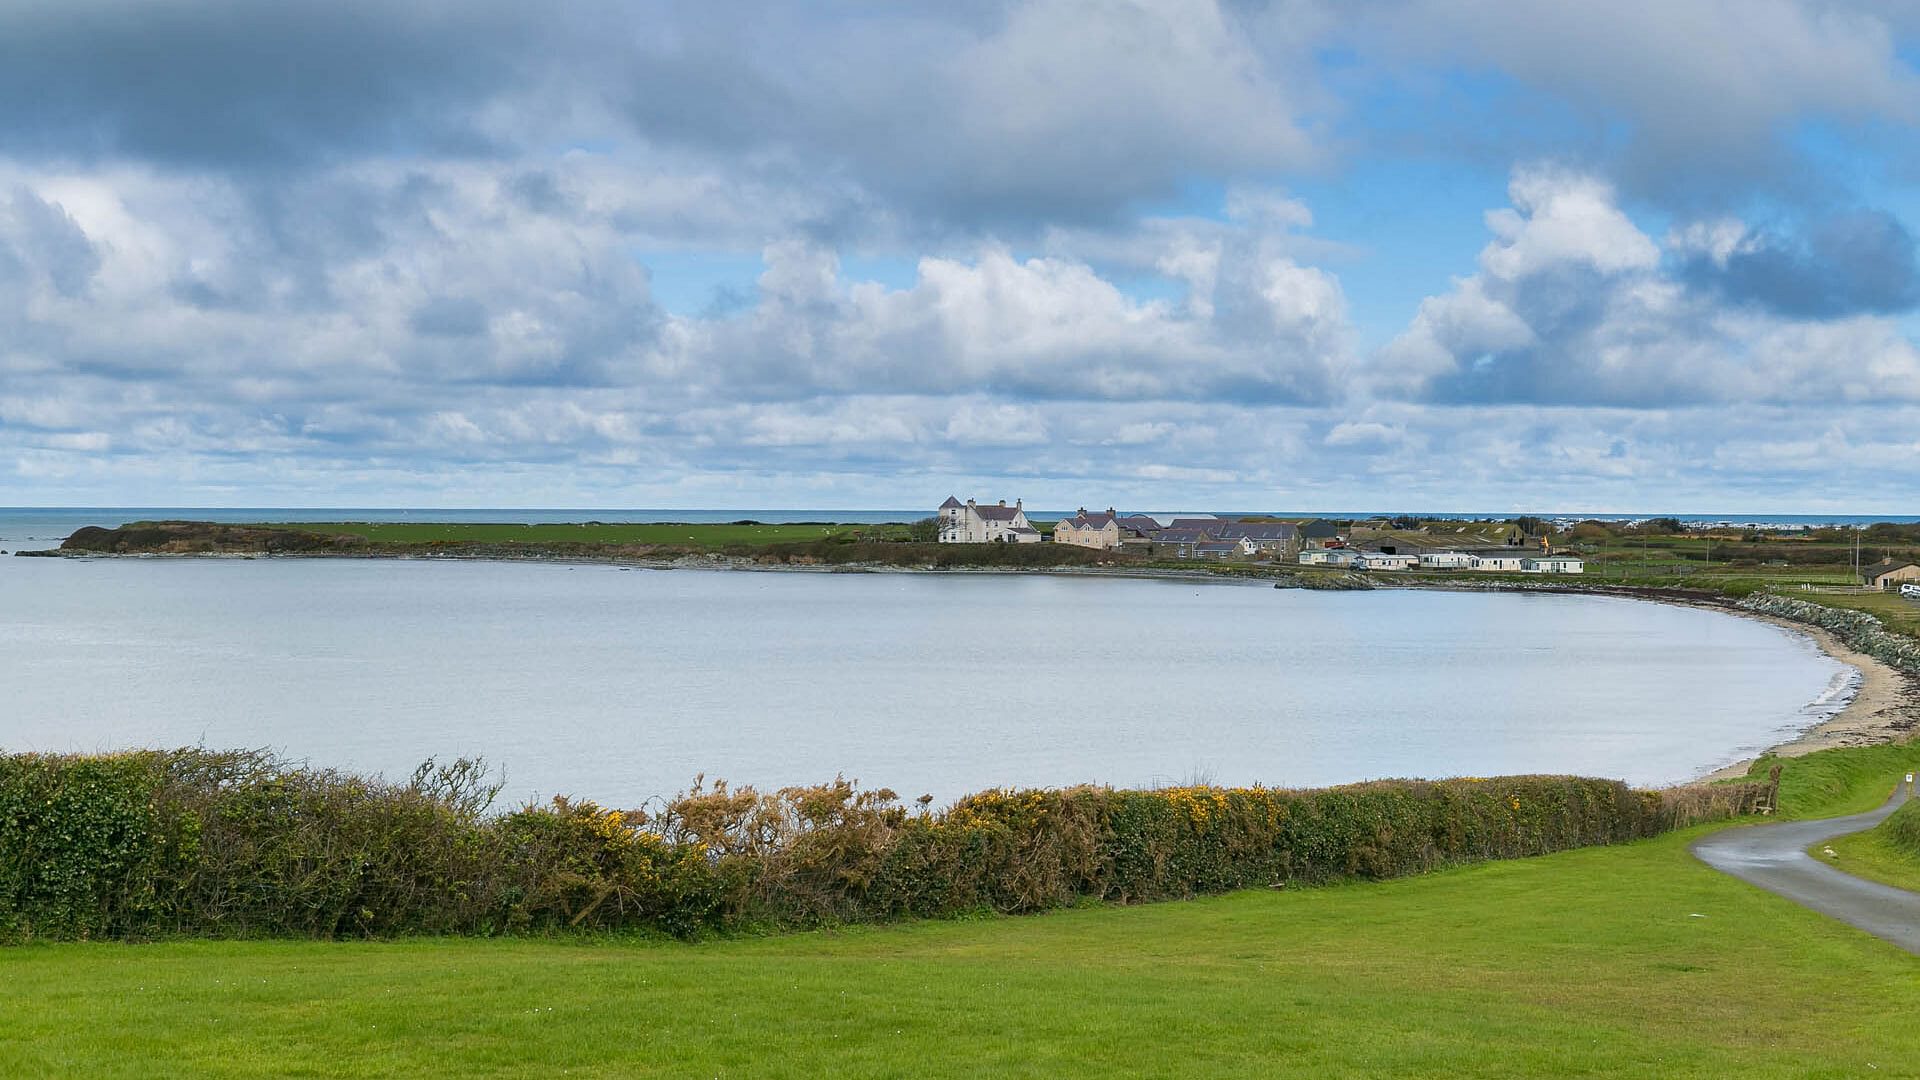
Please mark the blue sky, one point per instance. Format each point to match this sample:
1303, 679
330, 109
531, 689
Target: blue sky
1656, 254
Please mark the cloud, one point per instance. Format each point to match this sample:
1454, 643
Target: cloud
1851, 263
1572, 305
1041, 328
42, 247
413, 246
1693, 101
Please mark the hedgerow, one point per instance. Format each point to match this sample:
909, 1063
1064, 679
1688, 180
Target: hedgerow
244, 844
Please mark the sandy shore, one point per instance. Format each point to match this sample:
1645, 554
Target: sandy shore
1886, 708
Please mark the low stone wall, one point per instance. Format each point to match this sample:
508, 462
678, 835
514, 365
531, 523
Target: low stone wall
1857, 629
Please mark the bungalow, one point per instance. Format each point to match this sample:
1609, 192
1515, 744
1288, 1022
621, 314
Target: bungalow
1193, 543
1269, 538
1888, 574
1380, 560
972, 523
1222, 549
1100, 531
1553, 564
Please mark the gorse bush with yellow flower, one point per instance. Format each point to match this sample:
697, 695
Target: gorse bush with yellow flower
197, 842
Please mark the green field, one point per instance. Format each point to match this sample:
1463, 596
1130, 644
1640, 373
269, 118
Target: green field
1625, 961
1872, 856
683, 535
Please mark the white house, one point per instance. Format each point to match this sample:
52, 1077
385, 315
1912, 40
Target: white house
971, 523
1089, 530
1380, 560
1446, 560
1554, 564
1511, 562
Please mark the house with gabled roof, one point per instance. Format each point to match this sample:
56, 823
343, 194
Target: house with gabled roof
1271, 538
1090, 530
1890, 573
973, 523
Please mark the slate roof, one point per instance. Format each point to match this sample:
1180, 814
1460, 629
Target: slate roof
951, 504
1233, 530
1084, 520
997, 513
1886, 567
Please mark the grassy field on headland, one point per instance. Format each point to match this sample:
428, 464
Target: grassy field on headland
704, 535
1633, 960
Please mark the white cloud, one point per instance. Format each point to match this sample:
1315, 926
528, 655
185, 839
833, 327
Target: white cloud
1571, 305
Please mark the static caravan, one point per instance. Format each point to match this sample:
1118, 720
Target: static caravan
1500, 561
1378, 560
1553, 564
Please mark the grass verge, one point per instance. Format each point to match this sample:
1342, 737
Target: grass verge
1831, 783
1872, 855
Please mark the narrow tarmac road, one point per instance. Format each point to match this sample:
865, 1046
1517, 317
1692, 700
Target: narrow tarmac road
1775, 858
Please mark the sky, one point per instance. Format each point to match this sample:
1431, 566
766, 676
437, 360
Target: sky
1642, 256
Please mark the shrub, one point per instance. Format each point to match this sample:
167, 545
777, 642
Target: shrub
245, 844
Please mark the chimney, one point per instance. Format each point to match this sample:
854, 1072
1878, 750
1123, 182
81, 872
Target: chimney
1003, 502
1016, 504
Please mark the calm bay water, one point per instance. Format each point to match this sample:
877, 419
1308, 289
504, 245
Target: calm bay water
623, 684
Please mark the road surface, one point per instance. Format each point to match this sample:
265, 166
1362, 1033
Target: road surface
1775, 858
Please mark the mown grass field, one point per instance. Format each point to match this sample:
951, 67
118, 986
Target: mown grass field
686, 535
1626, 961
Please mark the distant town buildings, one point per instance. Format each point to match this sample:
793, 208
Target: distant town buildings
1313, 542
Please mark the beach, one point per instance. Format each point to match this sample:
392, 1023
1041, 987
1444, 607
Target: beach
1885, 708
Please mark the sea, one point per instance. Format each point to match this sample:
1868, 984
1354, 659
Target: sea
625, 685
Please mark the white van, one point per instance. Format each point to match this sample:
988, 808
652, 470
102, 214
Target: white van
1911, 592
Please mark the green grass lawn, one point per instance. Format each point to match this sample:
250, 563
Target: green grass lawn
696, 535
1626, 961
1872, 856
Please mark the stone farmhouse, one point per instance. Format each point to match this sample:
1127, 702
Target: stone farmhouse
1100, 531
972, 523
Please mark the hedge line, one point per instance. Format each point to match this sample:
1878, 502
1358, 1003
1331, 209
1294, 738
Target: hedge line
196, 842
